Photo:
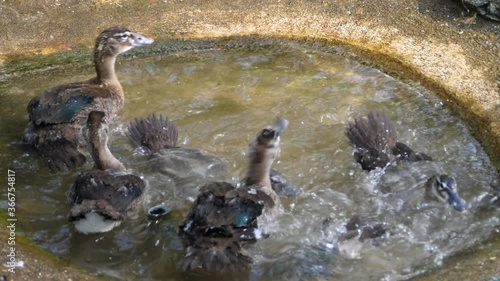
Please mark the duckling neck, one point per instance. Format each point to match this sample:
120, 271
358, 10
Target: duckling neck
429, 195
101, 154
259, 171
106, 75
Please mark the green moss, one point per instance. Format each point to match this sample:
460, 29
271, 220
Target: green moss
34, 62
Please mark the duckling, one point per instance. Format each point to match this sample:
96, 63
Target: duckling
159, 137
56, 117
363, 228
375, 141
101, 197
223, 218
358, 230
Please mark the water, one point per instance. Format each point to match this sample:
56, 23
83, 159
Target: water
220, 100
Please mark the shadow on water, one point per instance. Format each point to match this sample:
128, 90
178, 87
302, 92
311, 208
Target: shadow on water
220, 100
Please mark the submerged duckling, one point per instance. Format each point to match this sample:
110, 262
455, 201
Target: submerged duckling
224, 217
56, 117
363, 228
374, 139
360, 229
101, 197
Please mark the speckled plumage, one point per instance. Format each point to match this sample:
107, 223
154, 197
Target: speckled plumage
59, 114
223, 218
108, 191
159, 134
152, 132
108, 194
217, 225
375, 140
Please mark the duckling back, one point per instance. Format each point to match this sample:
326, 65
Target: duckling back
222, 219
363, 228
100, 199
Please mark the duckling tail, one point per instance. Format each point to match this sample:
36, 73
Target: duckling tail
58, 147
61, 155
155, 133
374, 138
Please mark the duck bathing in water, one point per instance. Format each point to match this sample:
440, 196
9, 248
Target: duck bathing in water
101, 197
376, 145
56, 117
158, 136
223, 218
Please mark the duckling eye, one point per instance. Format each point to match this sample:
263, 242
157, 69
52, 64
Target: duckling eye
123, 36
267, 133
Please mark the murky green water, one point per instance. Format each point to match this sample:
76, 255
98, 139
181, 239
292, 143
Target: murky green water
220, 100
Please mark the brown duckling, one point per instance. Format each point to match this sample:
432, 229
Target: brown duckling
59, 114
374, 139
156, 136
101, 197
224, 217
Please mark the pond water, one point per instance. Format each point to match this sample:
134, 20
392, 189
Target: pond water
220, 100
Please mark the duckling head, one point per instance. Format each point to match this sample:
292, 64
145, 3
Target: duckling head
116, 40
262, 152
267, 143
443, 188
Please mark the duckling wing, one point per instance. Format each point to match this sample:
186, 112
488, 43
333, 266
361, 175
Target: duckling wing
373, 138
66, 103
155, 133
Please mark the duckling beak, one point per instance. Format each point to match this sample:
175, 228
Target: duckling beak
141, 40
455, 201
280, 125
